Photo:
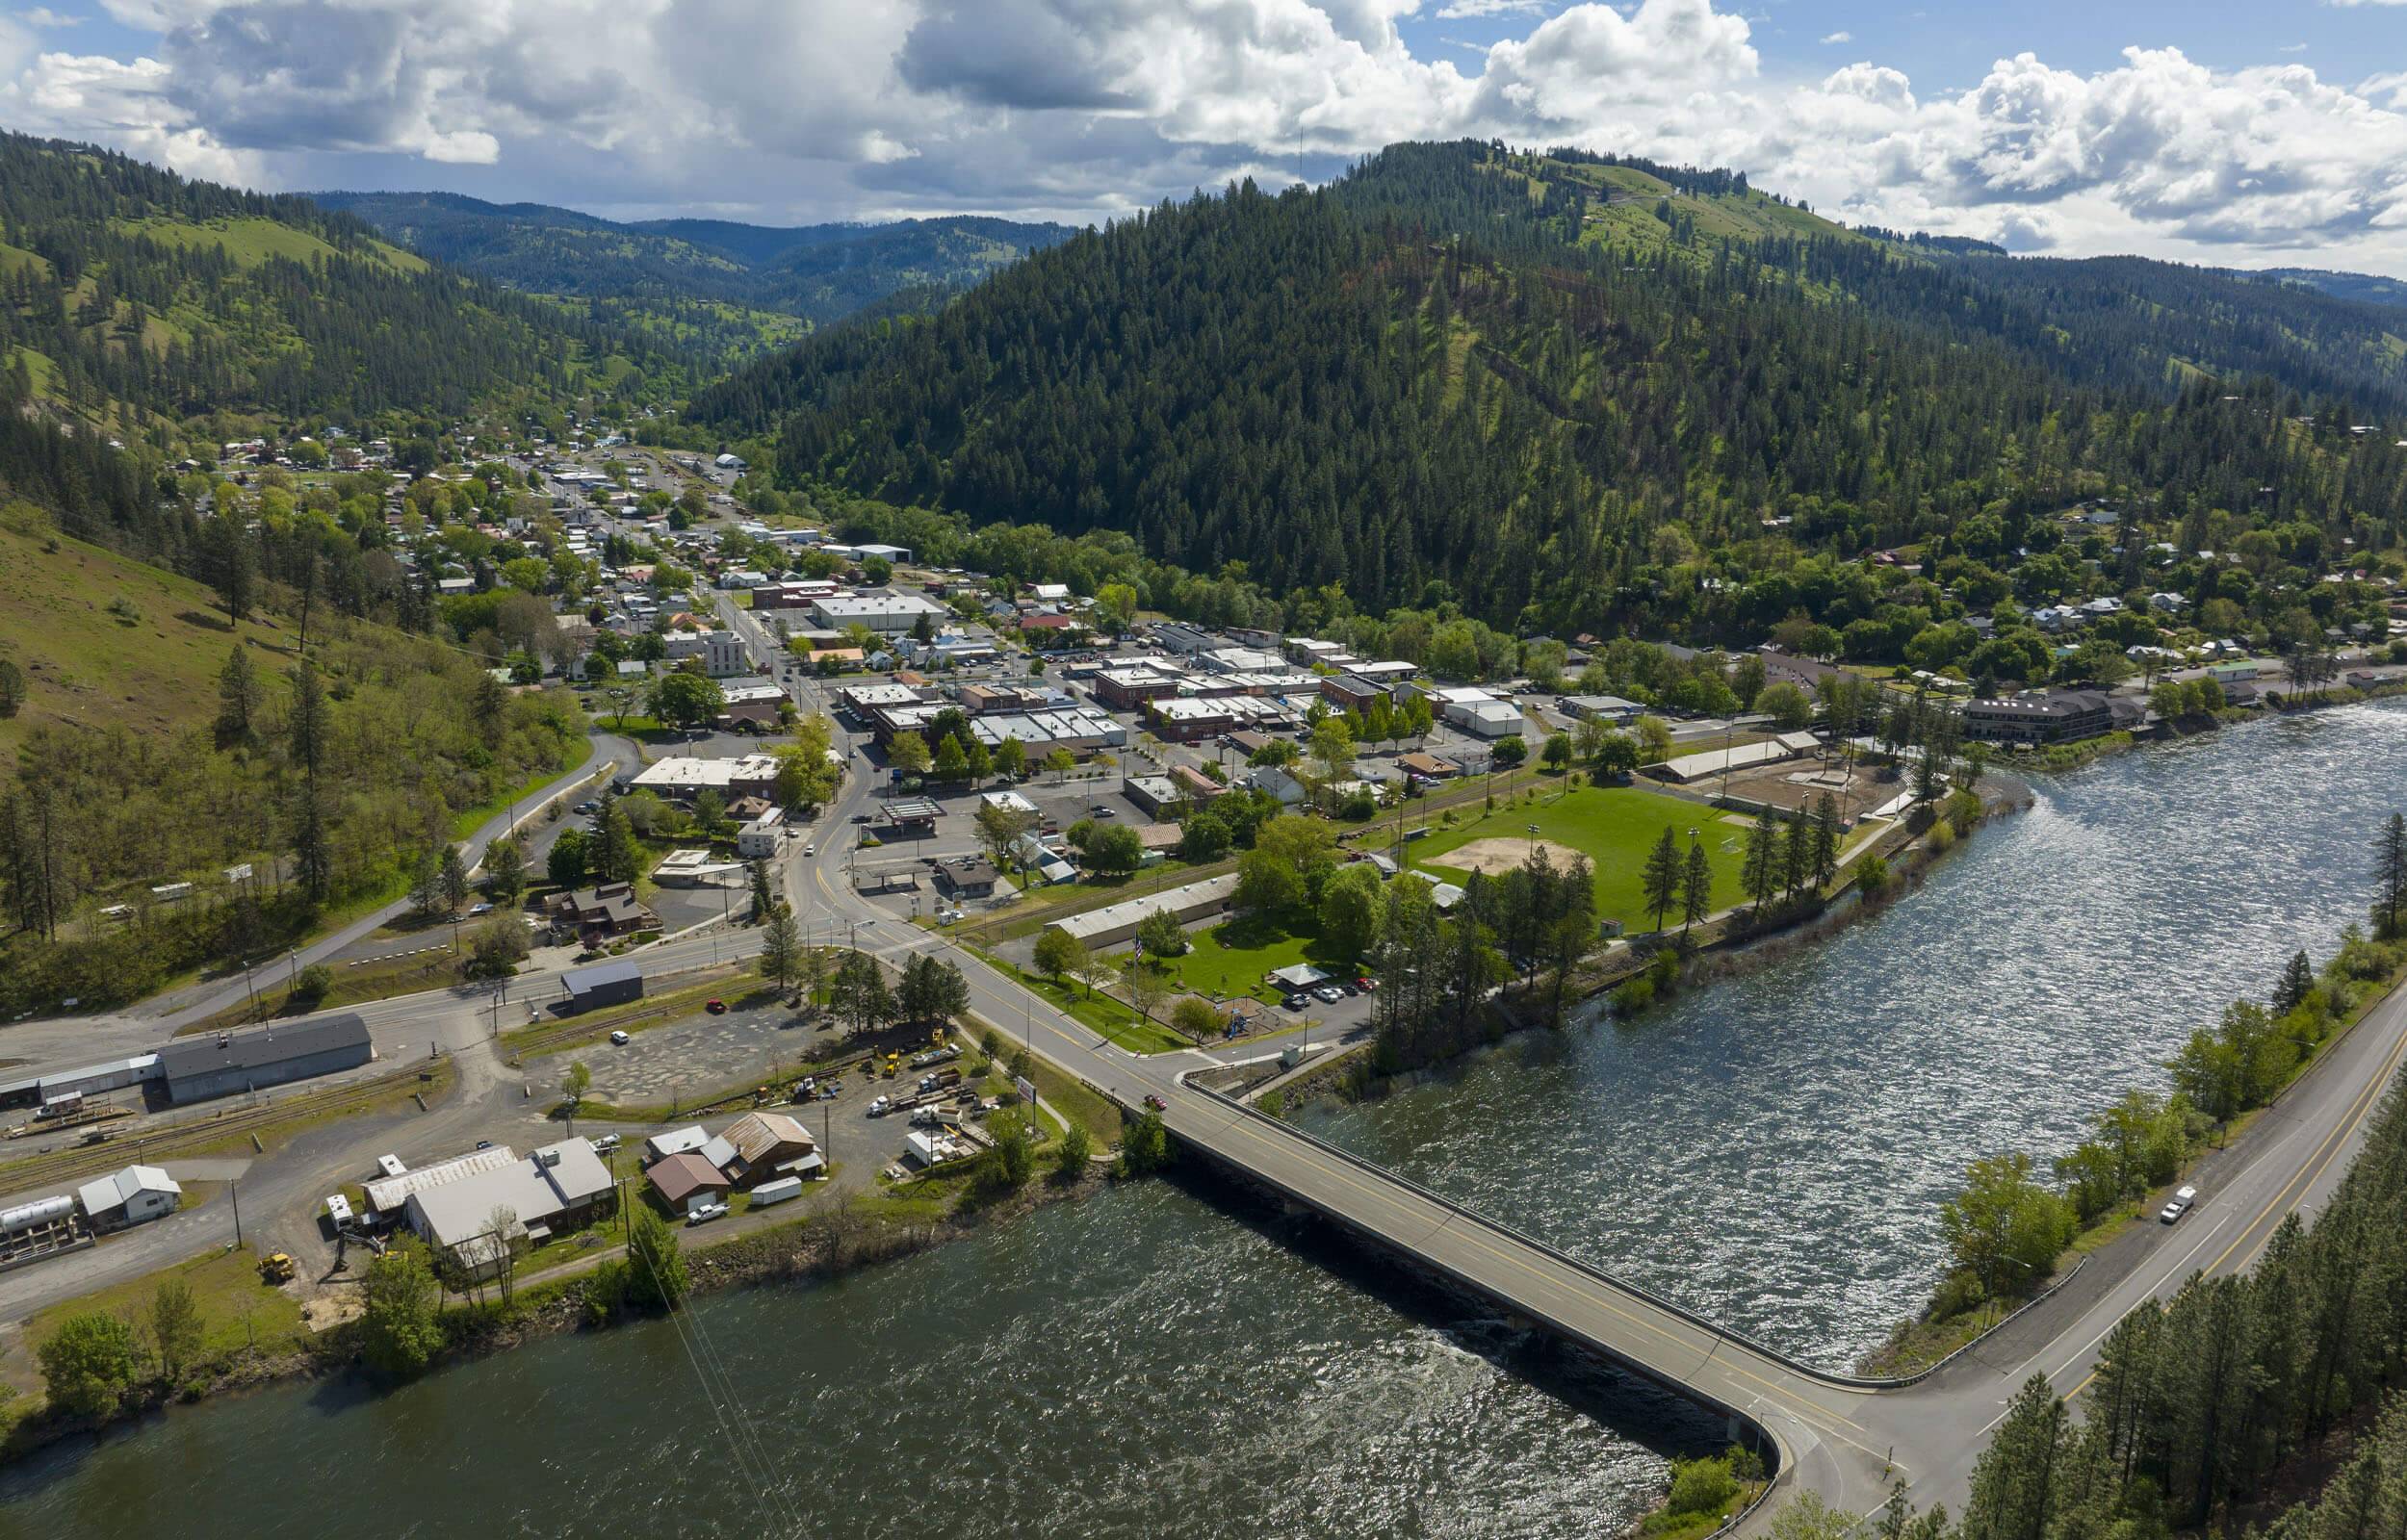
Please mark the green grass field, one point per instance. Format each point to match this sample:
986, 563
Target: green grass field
1613, 827
1231, 958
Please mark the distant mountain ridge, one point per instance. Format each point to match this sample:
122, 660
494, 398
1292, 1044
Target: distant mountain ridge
2366, 288
815, 273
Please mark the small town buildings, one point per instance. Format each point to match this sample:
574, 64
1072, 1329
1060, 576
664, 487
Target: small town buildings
130, 1197
685, 776
1485, 719
674, 1142
975, 879
598, 913
886, 613
768, 1145
615, 983
480, 1217
758, 839
2052, 716
686, 1181
388, 1196
1114, 923
227, 1064
1602, 708
723, 654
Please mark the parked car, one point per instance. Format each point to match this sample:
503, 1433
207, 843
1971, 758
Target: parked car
605, 1144
1297, 1002
1367, 985
2180, 1205
864, 818
484, 1144
1328, 994
618, 1039
716, 1008
704, 1213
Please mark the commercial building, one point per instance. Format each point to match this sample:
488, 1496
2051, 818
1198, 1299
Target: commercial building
2054, 716
975, 879
1114, 923
227, 1064
603, 984
1182, 720
886, 614
722, 653
686, 777
1486, 719
130, 1197
478, 1219
388, 1196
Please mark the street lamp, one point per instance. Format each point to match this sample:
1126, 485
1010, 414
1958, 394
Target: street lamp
1533, 833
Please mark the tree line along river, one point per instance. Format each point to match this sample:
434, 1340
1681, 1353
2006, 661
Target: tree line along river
1770, 1150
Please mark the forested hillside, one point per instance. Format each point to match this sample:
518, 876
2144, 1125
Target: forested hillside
2370, 288
135, 297
184, 693
1445, 374
714, 283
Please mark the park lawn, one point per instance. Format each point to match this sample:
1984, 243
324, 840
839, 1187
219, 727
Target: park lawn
1232, 957
236, 1308
1613, 827
1105, 1016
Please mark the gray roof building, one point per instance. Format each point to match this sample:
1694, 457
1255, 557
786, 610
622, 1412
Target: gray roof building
225, 1062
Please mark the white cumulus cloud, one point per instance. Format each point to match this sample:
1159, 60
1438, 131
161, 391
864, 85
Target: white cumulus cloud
1091, 108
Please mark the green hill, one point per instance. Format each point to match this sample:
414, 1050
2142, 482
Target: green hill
1465, 375
712, 284
135, 297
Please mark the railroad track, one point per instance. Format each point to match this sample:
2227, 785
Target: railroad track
84, 1161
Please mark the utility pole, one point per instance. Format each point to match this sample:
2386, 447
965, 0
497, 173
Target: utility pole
234, 1190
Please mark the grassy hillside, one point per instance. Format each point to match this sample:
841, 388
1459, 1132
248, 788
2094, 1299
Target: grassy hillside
105, 640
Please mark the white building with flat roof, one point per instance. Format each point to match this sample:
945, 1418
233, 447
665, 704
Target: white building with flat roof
886, 614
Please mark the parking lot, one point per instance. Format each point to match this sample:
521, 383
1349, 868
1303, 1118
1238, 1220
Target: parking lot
682, 1063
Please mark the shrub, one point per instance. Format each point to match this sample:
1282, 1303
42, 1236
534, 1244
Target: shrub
1871, 874
313, 982
1633, 995
1700, 1486
88, 1368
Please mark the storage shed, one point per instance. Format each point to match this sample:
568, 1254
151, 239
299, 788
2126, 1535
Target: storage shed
603, 984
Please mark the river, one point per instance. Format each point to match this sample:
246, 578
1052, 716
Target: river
1770, 1152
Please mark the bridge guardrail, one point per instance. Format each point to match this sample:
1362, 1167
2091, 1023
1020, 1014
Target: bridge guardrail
1828, 1376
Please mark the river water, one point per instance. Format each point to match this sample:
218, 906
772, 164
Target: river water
1770, 1152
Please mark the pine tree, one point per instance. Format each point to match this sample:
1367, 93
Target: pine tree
781, 948
1826, 840
237, 700
2298, 981
1759, 873
1660, 879
1696, 886
2390, 906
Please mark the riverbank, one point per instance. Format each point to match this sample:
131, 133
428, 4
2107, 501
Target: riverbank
837, 1240
1951, 1320
1730, 945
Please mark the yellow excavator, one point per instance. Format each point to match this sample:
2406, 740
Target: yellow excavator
276, 1268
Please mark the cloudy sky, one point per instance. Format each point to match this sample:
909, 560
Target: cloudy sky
2251, 136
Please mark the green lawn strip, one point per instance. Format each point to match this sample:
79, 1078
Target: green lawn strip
1070, 1098
1613, 827
1106, 1016
739, 987
236, 1308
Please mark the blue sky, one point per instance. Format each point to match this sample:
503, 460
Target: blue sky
2248, 135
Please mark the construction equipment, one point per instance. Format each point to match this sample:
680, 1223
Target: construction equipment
276, 1268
